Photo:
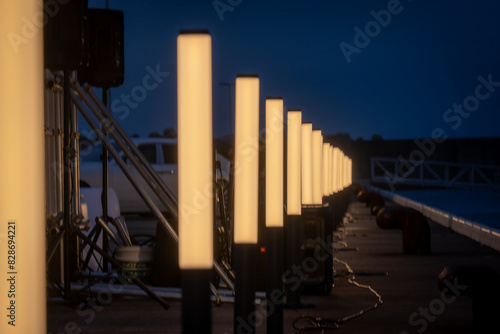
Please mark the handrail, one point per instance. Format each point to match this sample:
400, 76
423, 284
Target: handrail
433, 173
481, 233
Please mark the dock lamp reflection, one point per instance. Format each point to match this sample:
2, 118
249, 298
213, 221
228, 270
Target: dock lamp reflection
194, 98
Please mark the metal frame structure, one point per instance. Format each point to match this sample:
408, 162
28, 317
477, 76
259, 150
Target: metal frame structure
64, 144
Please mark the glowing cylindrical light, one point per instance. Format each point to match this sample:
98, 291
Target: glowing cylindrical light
194, 117
349, 172
349, 178
274, 162
294, 145
331, 173
340, 170
343, 170
246, 196
307, 173
317, 157
274, 211
294, 200
326, 168
246, 160
22, 170
336, 170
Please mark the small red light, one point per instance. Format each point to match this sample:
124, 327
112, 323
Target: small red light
262, 249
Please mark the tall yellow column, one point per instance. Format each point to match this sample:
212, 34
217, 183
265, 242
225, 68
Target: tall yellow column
246, 199
307, 172
194, 123
317, 161
274, 162
22, 169
294, 158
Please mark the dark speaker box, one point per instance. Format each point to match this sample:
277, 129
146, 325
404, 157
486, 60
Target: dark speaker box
105, 66
65, 46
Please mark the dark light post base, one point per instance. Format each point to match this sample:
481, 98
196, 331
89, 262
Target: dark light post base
316, 246
196, 304
244, 287
292, 274
274, 286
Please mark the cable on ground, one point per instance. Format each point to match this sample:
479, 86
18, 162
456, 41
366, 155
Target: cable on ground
310, 323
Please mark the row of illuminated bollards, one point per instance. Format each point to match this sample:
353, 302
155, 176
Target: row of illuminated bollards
22, 171
22, 174
314, 170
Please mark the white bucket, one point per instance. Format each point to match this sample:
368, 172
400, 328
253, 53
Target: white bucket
91, 208
136, 260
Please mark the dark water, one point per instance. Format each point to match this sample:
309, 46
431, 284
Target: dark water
480, 206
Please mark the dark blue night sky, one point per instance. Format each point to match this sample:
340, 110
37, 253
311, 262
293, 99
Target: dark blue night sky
399, 83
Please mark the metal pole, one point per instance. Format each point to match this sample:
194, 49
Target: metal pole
66, 186
104, 192
75, 148
245, 273
292, 279
196, 305
274, 286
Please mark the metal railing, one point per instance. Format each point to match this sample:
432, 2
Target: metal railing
481, 233
434, 174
